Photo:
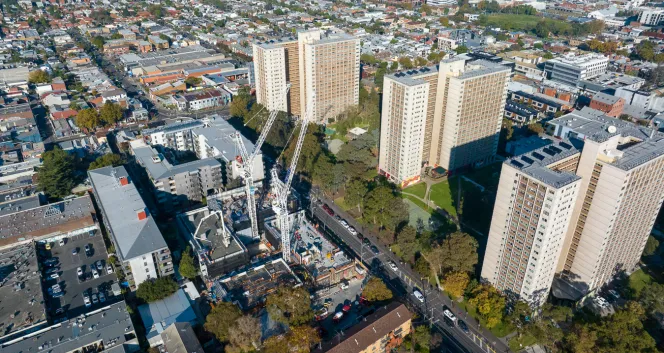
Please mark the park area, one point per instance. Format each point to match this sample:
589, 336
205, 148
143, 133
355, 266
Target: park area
507, 21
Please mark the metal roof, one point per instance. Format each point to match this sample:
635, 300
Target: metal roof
536, 163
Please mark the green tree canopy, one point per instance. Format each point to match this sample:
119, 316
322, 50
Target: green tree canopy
220, 319
244, 335
489, 303
56, 175
106, 160
156, 289
193, 81
375, 290
39, 76
457, 252
187, 267
88, 119
98, 42
290, 306
651, 246
383, 208
111, 113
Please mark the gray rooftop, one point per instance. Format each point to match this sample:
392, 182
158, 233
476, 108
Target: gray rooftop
19, 204
218, 133
605, 98
120, 204
159, 168
536, 163
208, 232
594, 125
111, 325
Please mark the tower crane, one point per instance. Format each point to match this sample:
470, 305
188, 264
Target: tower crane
247, 160
281, 189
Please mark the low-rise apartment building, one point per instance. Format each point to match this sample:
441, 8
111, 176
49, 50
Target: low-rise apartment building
139, 245
572, 69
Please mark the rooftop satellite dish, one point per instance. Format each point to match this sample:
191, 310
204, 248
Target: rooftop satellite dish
611, 129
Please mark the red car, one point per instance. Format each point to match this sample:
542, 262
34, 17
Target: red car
328, 210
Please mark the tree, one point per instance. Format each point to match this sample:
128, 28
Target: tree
489, 303
187, 267
56, 175
116, 35
193, 81
383, 208
405, 62
220, 319
88, 119
156, 289
74, 106
244, 335
355, 191
444, 21
239, 107
394, 66
39, 76
461, 49
422, 338
111, 113
548, 55
290, 306
98, 42
420, 61
455, 283
652, 298
538, 45
457, 253
407, 242
376, 291
536, 128
106, 160
651, 246
298, 340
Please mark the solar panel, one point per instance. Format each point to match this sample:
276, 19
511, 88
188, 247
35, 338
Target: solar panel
548, 151
517, 164
538, 156
527, 159
555, 149
565, 145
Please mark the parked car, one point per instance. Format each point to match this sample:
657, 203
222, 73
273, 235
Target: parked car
54, 276
58, 294
100, 266
88, 250
344, 223
79, 271
102, 297
109, 269
344, 285
86, 300
95, 299
352, 231
95, 274
418, 295
375, 250
393, 266
74, 251
61, 242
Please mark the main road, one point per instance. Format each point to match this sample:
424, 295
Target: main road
404, 281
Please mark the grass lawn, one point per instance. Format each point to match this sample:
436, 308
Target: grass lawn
417, 189
340, 202
512, 21
442, 195
518, 343
416, 201
501, 330
638, 280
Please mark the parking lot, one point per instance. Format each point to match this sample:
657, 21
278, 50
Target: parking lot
334, 300
71, 256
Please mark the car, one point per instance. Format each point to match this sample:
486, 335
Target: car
59, 311
366, 242
449, 317
54, 275
79, 271
418, 295
614, 294
393, 266
88, 250
74, 251
86, 300
61, 242
344, 285
328, 210
47, 246
100, 266
95, 299
338, 218
109, 269
374, 249
52, 270
344, 223
52, 261
95, 274
352, 231
462, 325
102, 297
58, 294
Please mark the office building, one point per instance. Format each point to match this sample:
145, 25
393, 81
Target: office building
651, 17
620, 195
571, 69
610, 105
446, 115
178, 185
320, 62
139, 245
582, 208
533, 207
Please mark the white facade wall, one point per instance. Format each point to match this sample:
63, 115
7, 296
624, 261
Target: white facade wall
143, 268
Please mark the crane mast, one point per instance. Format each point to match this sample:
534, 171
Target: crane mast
248, 166
281, 188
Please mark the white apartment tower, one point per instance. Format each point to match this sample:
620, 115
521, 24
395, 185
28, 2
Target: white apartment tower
463, 108
323, 62
533, 207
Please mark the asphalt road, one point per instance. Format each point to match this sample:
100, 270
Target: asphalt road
404, 281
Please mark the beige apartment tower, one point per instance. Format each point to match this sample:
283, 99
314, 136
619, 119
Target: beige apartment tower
463, 108
320, 62
619, 191
533, 207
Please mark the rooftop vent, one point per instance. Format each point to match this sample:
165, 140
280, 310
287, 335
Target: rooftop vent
123, 180
141, 214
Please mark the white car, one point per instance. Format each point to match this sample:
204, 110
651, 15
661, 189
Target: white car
86, 300
95, 274
79, 271
344, 223
61, 242
418, 295
55, 276
109, 269
344, 285
393, 266
352, 231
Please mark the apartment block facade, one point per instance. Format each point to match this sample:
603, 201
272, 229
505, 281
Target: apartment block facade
572, 69
320, 62
460, 103
533, 208
617, 170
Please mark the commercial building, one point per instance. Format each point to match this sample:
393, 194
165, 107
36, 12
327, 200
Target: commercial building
571, 69
181, 184
105, 329
446, 115
610, 105
533, 208
382, 331
320, 62
611, 82
139, 245
651, 17
582, 208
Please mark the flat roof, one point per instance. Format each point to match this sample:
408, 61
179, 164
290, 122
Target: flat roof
174, 127
59, 217
110, 326
19, 204
21, 290
209, 232
162, 313
120, 205
218, 133
159, 168
536, 163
